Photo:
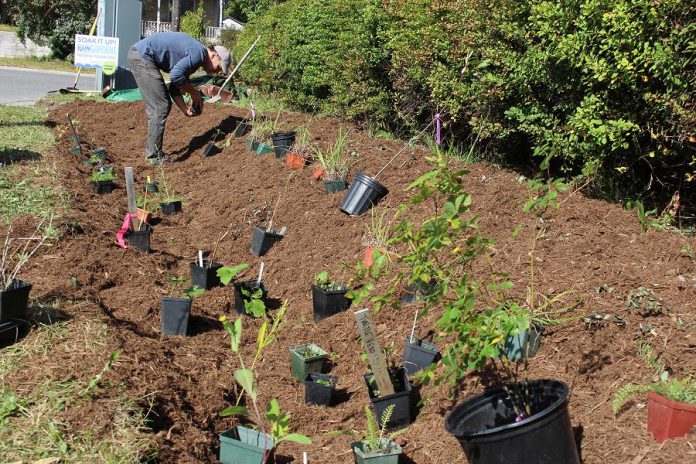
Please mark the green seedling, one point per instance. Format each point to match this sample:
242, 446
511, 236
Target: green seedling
176, 284
322, 281
104, 174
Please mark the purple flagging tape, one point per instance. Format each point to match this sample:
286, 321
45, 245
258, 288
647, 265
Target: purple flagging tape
438, 127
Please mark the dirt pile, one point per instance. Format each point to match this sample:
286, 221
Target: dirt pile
589, 245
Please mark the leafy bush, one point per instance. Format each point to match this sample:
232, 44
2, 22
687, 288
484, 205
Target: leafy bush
228, 38
193, 23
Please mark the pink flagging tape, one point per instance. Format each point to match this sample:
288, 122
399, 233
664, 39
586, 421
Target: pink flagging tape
124, 228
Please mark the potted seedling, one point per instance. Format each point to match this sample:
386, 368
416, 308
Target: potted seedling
259, 137
212, 148
376, 239
262, 240
418, 353
250, 296
146, 206
671, 402
375, 446
282, 140
97, 156
16, 252
204, 272
74, 138
305, 359
298, 157
320, 388
103, 179
151, 186
328, 297
176, 310
242, 445
170, 203
333, 164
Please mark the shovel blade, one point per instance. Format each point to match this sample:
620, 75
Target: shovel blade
214, 99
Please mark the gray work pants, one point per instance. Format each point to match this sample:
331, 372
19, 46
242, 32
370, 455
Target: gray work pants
156, 98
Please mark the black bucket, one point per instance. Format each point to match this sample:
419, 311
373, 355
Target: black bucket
175, 315
364, 192
486, 426
282, 141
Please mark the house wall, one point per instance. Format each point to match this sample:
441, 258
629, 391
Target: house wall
150, 10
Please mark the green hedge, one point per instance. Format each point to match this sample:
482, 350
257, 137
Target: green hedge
598, 88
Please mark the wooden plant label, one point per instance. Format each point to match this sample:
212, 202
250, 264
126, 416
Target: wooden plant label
374, 354
130, 191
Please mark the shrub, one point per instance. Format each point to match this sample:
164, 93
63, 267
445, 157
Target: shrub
228, 38
193, 23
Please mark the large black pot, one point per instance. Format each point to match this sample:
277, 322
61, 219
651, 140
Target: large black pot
14, 301
282, 141
363, 194
490, 431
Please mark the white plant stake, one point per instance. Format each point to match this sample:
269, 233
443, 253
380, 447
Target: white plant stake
200, 258
258, 282
304, 457
413, 328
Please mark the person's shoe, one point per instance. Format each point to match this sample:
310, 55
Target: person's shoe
157, 160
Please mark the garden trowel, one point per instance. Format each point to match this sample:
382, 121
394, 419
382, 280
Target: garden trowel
217, 97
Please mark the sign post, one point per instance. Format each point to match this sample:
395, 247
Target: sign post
374, 354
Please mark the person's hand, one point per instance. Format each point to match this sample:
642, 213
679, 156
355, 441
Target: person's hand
196, 102
190, 112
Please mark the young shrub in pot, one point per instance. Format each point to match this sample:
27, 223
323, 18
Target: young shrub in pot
320, 388
170, 203
176, 310
103, 179
300, 154
306, 358
375, 446
241, 445
333, 163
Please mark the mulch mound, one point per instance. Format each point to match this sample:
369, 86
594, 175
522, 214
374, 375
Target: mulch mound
588, 245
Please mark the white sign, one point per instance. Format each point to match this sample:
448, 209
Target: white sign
93, 51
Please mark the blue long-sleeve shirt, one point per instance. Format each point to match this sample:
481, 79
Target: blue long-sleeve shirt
177, 53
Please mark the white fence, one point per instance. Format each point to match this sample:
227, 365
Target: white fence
212, 32
150, 27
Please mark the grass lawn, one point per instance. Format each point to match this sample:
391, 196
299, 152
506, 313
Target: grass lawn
7, 28
42, 63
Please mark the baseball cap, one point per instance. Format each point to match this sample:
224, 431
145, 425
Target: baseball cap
224, 55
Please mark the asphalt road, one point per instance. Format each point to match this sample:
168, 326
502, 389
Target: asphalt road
22, 86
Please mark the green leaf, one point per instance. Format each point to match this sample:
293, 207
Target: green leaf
234, 411
227, 273
245, 378
298, 438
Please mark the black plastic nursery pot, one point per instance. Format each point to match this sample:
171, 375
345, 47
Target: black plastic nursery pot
239, 298
211, 149
282, 142
262, 241
490, 430
364, 193
241, 445
418, 354
175, 315
333, 186
14, 301
140, 239
103, 186
98, 153
171, 207
401, 398
376, 457
205, 277
242, 129
326, 303
320, 388
151, 187
301, 365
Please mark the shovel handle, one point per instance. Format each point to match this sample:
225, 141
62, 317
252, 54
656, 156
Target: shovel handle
238, 65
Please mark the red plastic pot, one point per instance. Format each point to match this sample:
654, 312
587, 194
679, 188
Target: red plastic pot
295, 161
669, 419
367, 259
318, 173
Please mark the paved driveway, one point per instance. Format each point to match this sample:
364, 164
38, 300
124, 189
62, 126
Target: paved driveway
22, 86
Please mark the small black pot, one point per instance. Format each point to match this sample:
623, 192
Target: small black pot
262, 241
417, 291
328, 302
211, 149
205, 277
316, 393
282, 142
151, 187
239, 298
140, 239
175, 315
418, 355
242, 129
489, 429
333, 186
170, 208
14, 301
103, 186
364, 193
401, 398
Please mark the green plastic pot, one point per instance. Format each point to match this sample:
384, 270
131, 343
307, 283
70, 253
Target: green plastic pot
240, 445
264, 149
252, 145
302, 366
376, 457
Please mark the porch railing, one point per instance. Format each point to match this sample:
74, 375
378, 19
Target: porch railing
150, 27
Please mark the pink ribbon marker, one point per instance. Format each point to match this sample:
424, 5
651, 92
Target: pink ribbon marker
253, 110
124, 228
438, 125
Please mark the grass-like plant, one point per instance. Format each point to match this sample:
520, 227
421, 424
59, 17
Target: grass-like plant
333, 160
167, 195
261, 129
16, 252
